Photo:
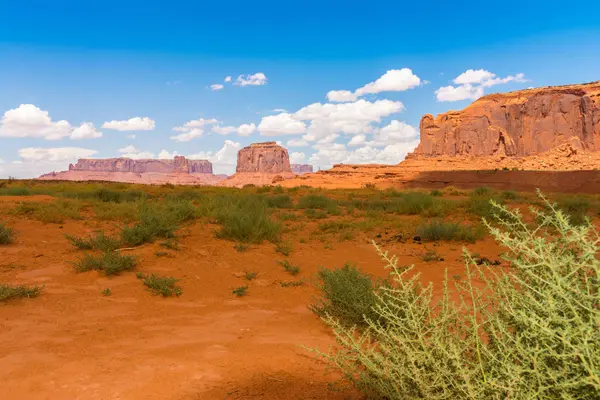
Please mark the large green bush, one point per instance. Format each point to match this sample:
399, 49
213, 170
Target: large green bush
532, 331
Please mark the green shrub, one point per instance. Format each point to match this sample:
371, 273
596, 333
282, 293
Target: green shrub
106, 292
436, 193
435, 230
315, 214
280, 201
151, 225
126, 212
8, 292
509, 195
165, 286
98, 242
7, 235
291, 283
247, 221
431, 255
284, 248
109, 263
576, 208
250, 275
481, 191
56, 212
347, 295
314, 201
289, 267
240, 291
532, 332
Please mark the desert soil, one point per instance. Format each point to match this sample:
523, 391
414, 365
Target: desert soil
73, 343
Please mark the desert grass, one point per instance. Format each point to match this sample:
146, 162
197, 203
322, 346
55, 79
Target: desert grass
109, 263
8, 292
436, 229
165, 286
7, 235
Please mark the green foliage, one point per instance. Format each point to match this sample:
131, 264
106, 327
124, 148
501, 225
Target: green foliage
532, 332
289, 267
151, 225
106, 292
481, 191
481, 206
98, 242
278, 189
314, 201
431, 255
291, 283
165, 286
240, 291
436, 193
126, 212
284, 248
56, 212
171, 244
241, 247
435, 230
509, 195
8, 292
250, 275
280, 201
109, 263
576, 208
315, 214
346, 295
7, 235
246, 220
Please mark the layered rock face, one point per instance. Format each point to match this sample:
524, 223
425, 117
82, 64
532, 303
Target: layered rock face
301, 168
517, 124
261, 164
266, 157
179, 164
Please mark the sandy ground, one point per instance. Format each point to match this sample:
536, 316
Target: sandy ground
73, 343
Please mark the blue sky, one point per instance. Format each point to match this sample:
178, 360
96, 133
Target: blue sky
69, 68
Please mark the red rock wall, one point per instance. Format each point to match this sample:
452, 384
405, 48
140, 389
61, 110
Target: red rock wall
267, 157
516, 124
179, 164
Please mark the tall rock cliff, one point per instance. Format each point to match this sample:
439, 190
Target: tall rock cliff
179, 164
266, 157
516, 124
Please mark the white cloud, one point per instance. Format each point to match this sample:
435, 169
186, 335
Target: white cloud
164, 154
87, 130
224, 130
54, 154
472, 84
227, 79
127, 149
394, 80
224, 160
395, 132
256, 79
216, 86
335, 153
297, 157
192, 129
297, 143
340, 96
246, 129
471, 76
132, 124
357, 140
281, 124
280, 110
133, 153
36, 161
189, 135
29, 121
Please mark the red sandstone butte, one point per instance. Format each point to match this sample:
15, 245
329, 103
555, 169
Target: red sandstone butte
179, 171
516, 124
301, 168
261, 164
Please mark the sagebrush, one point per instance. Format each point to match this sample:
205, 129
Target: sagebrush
531, 332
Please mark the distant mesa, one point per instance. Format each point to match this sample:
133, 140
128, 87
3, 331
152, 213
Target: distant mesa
180, 171
301, 168
179, 164
261, 164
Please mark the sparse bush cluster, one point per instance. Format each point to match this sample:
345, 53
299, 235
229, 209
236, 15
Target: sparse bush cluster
533, 331
7, 235
8, 292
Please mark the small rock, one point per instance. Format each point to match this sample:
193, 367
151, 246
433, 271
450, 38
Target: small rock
417, 238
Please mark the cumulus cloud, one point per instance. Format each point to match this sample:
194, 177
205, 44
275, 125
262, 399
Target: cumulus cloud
242, 130
394, 80
127, 149
471, 85
281, 124
54, 154
29, 121
192, 129
216, 86
132, 124
257, 79
297, 143
224, 160
164, 154
335, 153
297, 157
133, 153
227, 79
